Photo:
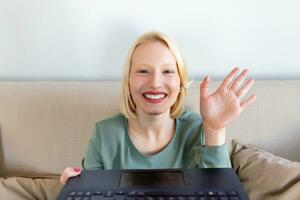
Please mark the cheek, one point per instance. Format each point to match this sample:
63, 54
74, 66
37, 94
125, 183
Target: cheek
135, 83
174, 83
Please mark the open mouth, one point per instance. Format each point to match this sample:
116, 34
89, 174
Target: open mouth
155, 96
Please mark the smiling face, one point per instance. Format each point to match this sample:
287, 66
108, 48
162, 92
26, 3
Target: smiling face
154, 80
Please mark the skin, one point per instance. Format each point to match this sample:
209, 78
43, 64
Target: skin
154, 69
224, 105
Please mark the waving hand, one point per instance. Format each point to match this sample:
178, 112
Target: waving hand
225, 104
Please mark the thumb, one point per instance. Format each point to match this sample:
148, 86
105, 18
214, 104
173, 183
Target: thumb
69, 172
204, 87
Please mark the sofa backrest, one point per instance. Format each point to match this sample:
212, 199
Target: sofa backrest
46, 125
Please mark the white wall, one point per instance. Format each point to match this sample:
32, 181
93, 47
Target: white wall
89, 39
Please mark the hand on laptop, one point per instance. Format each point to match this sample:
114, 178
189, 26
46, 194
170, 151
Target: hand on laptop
69, 172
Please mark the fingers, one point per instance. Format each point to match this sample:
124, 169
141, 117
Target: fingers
241, 91
69, 172
229, 84
245, 88
227, 81
204, 87
238, 81
248, 101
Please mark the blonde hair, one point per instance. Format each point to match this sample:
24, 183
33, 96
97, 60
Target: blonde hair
127, 105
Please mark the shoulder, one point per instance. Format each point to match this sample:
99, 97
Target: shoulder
117, 119
189, 117
111, 126
190, 127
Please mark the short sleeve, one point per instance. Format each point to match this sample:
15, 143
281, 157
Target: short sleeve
92, 159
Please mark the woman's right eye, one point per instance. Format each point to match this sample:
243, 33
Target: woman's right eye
142, 71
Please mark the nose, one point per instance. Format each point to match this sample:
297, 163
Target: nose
155, 80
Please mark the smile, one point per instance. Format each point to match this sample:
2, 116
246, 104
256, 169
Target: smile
157, 96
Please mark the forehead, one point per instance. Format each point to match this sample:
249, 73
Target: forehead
152, 53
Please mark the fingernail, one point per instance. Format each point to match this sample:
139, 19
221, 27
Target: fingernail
76, 169
205, 78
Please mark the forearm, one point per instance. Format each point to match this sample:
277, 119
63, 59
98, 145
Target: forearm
213, 136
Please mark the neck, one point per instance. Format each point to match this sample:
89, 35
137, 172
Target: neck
151, 126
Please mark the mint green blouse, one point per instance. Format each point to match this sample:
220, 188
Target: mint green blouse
110, 147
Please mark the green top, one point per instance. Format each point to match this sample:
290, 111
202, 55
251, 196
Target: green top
111, 147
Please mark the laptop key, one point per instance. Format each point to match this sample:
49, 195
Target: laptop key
129, 198
232, 193
72, 193
234, 198
191, 198
120, 192
97, 193
101, 198
108, 194
211, 193
221, 193
88, 193
201, 193
132, 193
180, 198
79, 193
140, 194
223, 198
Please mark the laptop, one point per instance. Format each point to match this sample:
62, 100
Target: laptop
155, 184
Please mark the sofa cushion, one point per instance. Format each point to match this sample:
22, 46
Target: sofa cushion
45, 126
264, 175
19, 188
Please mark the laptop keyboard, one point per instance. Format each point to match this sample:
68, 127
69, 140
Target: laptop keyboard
161, 195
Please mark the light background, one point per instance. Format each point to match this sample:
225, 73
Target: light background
89, 39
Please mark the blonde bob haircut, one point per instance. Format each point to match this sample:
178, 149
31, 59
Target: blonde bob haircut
127, 105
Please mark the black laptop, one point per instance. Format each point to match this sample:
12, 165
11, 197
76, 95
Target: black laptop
166, 184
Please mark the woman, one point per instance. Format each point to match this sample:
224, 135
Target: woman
153, 130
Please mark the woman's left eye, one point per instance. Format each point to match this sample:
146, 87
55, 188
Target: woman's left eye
168, 71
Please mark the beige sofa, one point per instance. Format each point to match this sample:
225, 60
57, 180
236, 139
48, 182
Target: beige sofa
45, 126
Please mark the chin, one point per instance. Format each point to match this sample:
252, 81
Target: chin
155, 112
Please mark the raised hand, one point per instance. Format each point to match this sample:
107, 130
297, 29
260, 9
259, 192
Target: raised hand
222, 106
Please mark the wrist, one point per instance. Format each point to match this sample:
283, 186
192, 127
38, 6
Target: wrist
214, 136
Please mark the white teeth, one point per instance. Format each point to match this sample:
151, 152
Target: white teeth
158, 96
